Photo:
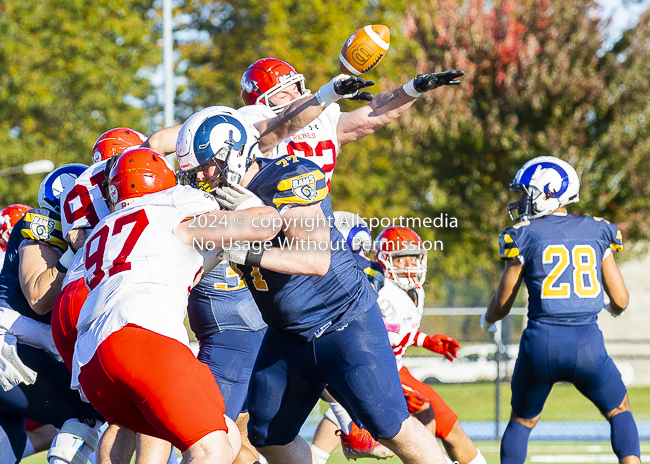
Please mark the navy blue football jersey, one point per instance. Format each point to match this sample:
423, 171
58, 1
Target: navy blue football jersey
304, 307
562, 257
221, 301
373, 271
41, 225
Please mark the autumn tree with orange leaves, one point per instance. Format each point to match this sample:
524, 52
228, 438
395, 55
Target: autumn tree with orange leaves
541, 80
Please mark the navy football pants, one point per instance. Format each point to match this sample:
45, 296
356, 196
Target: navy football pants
49, 400
554, 353
357, 361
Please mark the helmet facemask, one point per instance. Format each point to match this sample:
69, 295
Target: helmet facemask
225, 173
283, 82
404, 277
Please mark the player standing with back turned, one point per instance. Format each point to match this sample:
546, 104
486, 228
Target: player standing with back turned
567, 263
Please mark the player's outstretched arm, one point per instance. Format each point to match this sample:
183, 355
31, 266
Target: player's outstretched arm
307, 249
614, 286
389, 105
502, 301
302, 111
295, 116
163, 141
40, 276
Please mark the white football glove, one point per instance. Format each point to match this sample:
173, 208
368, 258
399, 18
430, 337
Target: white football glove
486, 326
236, 198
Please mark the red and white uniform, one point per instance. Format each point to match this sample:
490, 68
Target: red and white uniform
131, 332
318, 141
67, 307
138, 271
402, 318
82, 207
82, 203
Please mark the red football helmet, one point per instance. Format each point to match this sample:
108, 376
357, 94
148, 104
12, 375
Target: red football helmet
115, 141
8, 219
136, 173
401, 241
265, 78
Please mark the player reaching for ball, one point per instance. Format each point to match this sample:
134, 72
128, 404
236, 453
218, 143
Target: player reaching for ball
567, 264
270, 84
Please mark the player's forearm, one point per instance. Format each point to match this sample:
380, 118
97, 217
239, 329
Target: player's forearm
222, 229
497, 309
294, 118
163, 141
297, 261
614, 286
384, 109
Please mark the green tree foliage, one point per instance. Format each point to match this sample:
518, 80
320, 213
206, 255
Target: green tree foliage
67, 71
219, 40
539, 82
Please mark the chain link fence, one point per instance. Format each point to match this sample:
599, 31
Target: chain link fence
477, 385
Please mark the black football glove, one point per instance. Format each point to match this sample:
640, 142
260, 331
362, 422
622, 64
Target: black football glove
426, 82
361, 96
351, 85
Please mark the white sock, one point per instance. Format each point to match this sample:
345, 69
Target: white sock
479, 459
68, 440
321, 456
345, 421
329, 415
29, 448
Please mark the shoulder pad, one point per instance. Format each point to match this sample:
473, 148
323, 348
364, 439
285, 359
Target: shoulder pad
256, 113
508, 247
43, 225
611, 234
298, 182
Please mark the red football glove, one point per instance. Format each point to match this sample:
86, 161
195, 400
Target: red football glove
442, 344
415, 401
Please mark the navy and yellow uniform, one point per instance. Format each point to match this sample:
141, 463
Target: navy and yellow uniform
41, 225
229, 328
49, 400
304, 307
373, 271
322, 330
561, 257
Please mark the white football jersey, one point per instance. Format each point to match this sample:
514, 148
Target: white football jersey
2, 258
76, 269
138, 271
401, 316
82, 203
318, 141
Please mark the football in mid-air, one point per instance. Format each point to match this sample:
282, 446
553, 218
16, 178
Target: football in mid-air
364, 49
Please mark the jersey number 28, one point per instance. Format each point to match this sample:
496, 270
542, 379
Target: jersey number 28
585, 273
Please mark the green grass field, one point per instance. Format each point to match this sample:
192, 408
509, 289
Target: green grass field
476, 402
561, 453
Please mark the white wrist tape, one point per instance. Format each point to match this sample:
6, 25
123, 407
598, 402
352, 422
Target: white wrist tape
66, 258
326, 94
410, 90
